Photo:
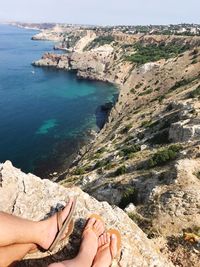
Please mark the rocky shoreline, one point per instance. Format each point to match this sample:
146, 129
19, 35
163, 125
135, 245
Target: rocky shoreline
146, 158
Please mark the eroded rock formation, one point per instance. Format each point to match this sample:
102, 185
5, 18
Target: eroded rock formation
30, 197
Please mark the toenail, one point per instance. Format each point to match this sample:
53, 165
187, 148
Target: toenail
113, 236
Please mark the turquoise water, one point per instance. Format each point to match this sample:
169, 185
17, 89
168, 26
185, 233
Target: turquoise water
45, 114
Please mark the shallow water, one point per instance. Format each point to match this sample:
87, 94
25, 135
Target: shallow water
45, 114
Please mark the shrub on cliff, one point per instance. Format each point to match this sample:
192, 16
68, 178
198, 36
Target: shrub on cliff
130, 195
128, 151
99, 41
195, 93
79, 171
154, 52
126, 129
147, 92
120, 171
165, 155
197, 174
101, 163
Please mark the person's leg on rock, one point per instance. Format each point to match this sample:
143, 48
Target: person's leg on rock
13, 253
89, 245
21, 235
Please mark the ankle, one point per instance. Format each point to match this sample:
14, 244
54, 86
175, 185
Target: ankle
41, 227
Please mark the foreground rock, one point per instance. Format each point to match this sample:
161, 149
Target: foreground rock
30, 197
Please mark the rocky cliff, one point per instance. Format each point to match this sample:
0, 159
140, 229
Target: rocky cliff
146, 158
30, 197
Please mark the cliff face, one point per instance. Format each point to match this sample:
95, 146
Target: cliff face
30, 197
146, 158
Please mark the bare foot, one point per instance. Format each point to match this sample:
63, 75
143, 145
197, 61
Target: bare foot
49, 227
107, 250
88, 249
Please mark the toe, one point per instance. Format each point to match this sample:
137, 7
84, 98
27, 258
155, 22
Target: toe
102, 240
97, 224
113, 245
107, 238
99, 227
99, 242
91, 222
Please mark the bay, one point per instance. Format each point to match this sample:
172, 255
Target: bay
45, 114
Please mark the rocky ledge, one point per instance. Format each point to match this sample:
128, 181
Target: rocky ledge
30, 197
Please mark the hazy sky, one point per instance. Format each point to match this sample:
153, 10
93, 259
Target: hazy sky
102, 12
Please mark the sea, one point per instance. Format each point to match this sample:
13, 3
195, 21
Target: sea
46, 115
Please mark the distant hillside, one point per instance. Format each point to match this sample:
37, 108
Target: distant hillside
146, 159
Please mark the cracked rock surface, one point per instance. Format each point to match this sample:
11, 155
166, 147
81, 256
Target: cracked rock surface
28, 196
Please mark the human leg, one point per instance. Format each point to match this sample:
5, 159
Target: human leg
15, 230
13, 253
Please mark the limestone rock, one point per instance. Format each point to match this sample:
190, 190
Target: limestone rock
131, 208
183, 132
30, 197
53, 60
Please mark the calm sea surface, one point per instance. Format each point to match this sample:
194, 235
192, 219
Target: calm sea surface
45, 114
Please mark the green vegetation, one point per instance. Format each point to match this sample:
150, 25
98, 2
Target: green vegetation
164, 155
149, 124
130, 195
194, 55
120, 171
109, 166
146, 124
138, 85
195, 93
99, 41
161, 98
147, 92
132, 91
184, 82
135, 217
195, 52
100, 163
128, 151
180, 83
99, 152
79, 171
126, 129
154, 52
197, 175
194, 61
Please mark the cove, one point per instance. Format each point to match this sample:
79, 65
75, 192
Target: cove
45, 114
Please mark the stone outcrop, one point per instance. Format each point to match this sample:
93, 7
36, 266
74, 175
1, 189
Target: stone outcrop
89, 64
184, 131
53, 60
30, 197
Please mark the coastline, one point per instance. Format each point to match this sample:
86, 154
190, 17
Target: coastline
145, 159
67, 62
85, 145
60, 133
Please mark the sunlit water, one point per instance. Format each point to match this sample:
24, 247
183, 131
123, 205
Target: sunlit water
45, 114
